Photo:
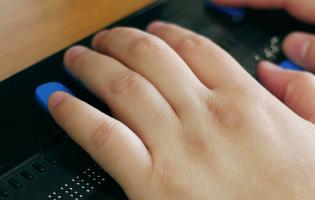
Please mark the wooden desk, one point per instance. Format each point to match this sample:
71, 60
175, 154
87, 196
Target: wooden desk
31, 30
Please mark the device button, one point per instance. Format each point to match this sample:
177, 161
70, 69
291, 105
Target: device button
43, 92
234, 12
4, 192
39, 167
15, 183
287, 64
51, 159
27, 175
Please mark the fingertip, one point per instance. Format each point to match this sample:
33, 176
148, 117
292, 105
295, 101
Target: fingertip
268, 65
55, 99
296, 47
98, 39
154, 26
264, 69
274, 78
72, 53
268, 75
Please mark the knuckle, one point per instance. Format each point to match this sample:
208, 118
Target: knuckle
216, 113
227, 115
102, 133
145, 45
124, 82
197, 143
190, 42
169, 184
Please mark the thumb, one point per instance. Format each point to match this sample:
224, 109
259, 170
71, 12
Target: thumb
300, 47
295, 89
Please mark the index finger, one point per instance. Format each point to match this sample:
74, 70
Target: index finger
114, 146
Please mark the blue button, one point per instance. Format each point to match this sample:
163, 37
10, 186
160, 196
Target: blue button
287, 64
43, 92
234, 12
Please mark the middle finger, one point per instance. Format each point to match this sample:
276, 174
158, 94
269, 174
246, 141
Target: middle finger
156, 61
130, 97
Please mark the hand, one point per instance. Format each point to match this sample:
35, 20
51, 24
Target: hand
293, 88
192, 123
300, 47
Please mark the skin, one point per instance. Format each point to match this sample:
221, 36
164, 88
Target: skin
189, 122
292, 88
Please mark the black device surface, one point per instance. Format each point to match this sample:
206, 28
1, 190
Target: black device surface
38, 161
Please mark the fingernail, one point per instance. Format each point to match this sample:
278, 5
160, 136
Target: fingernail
297, 46
304, 48
98, 37
300, 46
155, 26
56, 98
269, 65
47, 93
74, 52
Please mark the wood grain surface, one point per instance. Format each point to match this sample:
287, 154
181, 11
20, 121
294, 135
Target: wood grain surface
31, 30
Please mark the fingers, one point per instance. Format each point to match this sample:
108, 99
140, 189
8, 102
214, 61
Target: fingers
302, 9
117, 149
211, 64
131, 98
295, 89
300, 47
154, 60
